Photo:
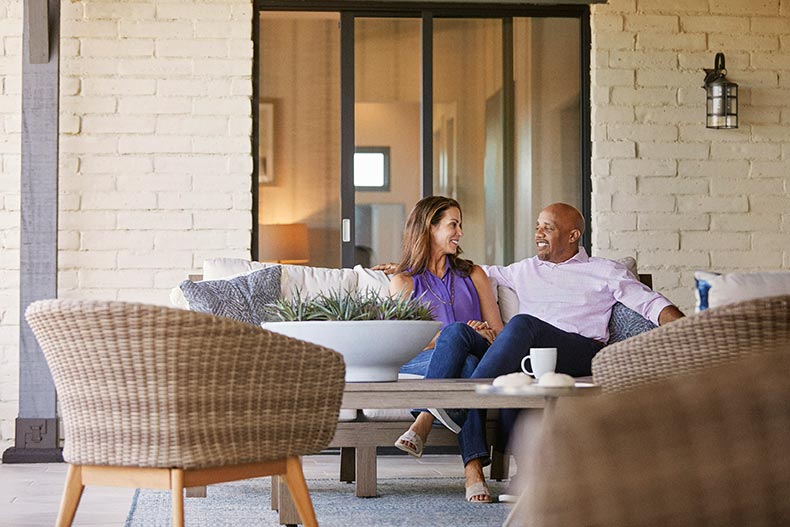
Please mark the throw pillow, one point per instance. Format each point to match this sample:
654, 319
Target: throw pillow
714, 289
626, 323
241, 298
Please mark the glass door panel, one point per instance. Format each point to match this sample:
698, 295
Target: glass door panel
299, 133
387, 54
468, 129
547, 121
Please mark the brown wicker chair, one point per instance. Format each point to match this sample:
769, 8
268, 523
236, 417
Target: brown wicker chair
704, 449
163, 398
695, 343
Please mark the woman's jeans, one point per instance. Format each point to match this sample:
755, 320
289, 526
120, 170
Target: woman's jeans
458, 351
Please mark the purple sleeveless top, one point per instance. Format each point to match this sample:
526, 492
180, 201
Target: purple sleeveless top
453, 298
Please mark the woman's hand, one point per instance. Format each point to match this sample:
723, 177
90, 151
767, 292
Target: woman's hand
484, 329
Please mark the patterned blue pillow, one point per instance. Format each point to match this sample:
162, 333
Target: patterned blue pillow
242, 298
626, 323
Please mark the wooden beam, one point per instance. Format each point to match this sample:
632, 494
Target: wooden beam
37, 29
36, 430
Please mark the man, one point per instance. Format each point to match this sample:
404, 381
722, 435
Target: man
565, 302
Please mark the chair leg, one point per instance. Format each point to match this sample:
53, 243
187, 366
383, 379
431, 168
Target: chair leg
177, 497
297, 486
72, 492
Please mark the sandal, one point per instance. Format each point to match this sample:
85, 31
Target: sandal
411, 443
478, 489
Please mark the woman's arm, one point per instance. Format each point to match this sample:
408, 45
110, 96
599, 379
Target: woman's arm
488, 306
401, 284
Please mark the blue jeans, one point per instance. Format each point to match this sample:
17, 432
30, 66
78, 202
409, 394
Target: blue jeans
574, 357
458, 350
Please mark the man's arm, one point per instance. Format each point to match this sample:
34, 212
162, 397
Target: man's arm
668, 314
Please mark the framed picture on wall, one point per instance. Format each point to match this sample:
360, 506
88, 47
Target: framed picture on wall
266, 142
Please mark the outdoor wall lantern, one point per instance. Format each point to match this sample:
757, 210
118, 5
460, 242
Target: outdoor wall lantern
722, 96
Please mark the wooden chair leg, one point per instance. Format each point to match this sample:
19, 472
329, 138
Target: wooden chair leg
298, 489
177, 497
72, 492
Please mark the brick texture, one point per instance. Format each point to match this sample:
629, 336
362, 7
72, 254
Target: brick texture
702, 199
155, 122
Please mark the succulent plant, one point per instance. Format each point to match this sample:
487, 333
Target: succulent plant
348, 305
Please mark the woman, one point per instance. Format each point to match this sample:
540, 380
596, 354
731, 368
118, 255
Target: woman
462, 300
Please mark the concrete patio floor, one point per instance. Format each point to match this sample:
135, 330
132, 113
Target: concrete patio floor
30, 494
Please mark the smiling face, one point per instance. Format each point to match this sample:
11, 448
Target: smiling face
557, 232
447, 232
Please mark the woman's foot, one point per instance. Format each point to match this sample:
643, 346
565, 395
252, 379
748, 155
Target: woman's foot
476, 488
413, 440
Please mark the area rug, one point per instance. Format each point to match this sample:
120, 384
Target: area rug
402, 502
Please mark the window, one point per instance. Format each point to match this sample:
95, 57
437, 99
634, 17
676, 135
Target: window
372, 168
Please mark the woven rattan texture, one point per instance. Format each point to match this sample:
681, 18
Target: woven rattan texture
707, 449
692, 344
150, 386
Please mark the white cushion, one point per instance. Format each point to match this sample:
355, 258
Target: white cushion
714, 289
377, 281
311, 281
177, 298
508, 303
221, 268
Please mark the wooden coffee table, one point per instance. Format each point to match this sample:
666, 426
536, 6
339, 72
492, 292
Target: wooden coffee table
416, 393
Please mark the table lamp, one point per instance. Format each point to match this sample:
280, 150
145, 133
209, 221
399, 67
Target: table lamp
283, 243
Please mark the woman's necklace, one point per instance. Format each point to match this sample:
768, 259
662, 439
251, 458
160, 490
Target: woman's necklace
452, 289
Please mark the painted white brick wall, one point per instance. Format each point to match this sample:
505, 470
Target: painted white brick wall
10, 132
679, 196
155, 171
155, 152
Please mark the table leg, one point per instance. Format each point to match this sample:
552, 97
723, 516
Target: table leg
347, 463
521, 504
366, 472
288, 513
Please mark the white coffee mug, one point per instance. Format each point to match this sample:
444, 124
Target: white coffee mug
542, 360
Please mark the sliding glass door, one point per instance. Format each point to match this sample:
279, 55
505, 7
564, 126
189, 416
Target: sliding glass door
364, 112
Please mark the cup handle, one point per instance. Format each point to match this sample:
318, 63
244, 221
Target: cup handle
524, 366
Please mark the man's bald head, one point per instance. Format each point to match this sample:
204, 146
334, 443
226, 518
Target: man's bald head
557, 233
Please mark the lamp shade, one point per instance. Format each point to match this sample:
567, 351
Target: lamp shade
283, 243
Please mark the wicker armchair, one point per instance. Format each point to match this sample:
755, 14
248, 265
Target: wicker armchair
704, 449
695, 343
163, 398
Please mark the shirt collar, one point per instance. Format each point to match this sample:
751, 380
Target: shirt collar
580, 257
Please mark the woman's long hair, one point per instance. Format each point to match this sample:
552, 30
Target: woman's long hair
417, 237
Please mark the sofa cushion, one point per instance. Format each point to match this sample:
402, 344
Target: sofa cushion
242, 298
377, 281
716, 289
310, 281
626, 323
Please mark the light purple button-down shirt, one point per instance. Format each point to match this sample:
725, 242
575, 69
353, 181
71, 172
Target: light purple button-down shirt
577, 295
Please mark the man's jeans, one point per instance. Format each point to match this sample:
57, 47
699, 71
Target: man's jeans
574, 357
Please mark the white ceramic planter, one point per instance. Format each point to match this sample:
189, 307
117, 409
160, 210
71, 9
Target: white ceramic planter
374, 350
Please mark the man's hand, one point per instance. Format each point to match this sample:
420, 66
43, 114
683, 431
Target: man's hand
668, 314
388, 268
